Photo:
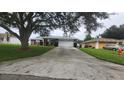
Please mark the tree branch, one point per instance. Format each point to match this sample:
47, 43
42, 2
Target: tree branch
10, 31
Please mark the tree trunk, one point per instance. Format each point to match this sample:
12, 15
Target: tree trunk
24, 38
24, 44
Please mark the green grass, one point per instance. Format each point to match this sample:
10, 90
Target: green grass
107, 55
11, 52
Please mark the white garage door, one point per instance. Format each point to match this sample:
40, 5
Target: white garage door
65, 43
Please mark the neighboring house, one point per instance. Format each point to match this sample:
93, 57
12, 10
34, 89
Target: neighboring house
101, 42
8, 38
56, 41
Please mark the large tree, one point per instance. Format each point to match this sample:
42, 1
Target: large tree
43, 22
114, 32
26, 23
88, 37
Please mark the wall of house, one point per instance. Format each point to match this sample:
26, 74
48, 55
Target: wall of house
14, 40
101, 45
93, 44
36, 42
83, 45
123, 42
110, 43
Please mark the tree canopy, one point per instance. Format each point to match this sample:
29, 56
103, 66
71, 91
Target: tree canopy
44, 22
114, 32
73, 21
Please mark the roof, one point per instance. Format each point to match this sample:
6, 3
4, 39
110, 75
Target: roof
55, 37
5, 34
37, 38
60, 37
108, 40
2, 34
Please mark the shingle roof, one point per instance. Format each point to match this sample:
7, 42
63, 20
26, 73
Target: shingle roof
56, 37
103, 40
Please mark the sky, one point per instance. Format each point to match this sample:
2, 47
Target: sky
116, 19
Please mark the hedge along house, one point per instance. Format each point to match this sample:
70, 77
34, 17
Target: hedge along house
56, 41
101, 42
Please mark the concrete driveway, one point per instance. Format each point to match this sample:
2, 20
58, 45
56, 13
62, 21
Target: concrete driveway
61, 63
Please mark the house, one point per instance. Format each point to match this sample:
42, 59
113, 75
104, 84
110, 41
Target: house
56, 41
8, 38
101, 42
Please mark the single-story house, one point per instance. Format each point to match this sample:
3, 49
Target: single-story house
56, 41
8, 38
101, 42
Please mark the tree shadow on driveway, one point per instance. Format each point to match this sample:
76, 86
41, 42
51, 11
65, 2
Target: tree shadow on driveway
26, 77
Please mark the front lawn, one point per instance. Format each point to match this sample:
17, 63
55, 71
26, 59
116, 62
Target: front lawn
107, 55
11, 52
